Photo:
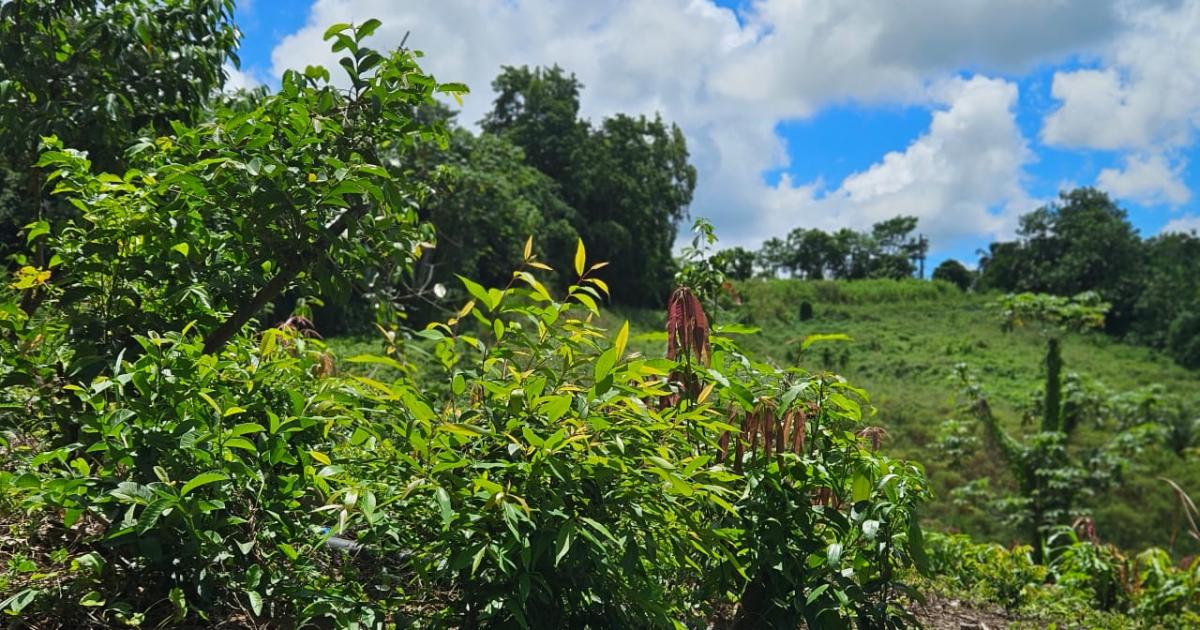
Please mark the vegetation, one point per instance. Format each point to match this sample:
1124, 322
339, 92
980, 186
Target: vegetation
889, 250
183, 448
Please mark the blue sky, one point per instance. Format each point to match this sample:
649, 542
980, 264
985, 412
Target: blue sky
831, 113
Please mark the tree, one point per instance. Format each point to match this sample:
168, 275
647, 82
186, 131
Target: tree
486, 200
810, 252
538, 110
894, 249
95, 74
639, 184
772, 257
955, 273
737, 263
628, 178
217, 220
1170, 288
1084, 242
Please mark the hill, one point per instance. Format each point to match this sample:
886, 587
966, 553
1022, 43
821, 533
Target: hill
906, 337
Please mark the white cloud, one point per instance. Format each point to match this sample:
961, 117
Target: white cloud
1147, 93
729, 83
1185, 223
1147, 180
235, 79
962, 177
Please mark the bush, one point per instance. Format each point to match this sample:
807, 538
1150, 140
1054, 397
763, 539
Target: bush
167, 465
955, 273
1183, 339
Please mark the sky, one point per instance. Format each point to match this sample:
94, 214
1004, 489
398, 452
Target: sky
837, 113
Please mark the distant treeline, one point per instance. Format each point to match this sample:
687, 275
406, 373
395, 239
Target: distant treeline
889, 250
1081, 242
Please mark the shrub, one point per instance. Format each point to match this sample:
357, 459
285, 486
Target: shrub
955, 273
169, 466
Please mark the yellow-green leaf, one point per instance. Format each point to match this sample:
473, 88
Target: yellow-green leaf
622, 339
580, 258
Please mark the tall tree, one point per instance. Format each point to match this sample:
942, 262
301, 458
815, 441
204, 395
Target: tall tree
955, 273
538, 110
1083, 242
639, 184
628, 178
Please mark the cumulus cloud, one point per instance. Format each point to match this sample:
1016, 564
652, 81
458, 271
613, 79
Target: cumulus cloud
1147, 180
729, 79
236, 80
1147, 91
1185, 223
962, 177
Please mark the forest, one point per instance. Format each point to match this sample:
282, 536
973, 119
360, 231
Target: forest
325, 355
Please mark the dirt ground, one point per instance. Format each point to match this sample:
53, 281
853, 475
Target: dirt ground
940, 613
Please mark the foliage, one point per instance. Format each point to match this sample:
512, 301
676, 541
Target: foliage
628, 178
1082, 243
737, 263
955, 273
888, 251
904, 337
1050, 485
1183, 339
1085, 579
95, 75
216, 221
485, 201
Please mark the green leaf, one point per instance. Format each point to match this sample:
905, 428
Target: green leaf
916, 545
622, 340
368, 28
334, 30
182, 248
443, 501
377, 360
562, 543
596, 525
179, 601
820, 338
246, 428
556, 406
256, 602
604, 364
202, 479
479, 293
151, 514
467, 430
289, 551
36, 229
862, 488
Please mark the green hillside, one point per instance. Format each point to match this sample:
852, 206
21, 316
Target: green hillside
905, 339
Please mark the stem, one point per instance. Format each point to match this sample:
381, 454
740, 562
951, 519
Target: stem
291, 268
1052, 415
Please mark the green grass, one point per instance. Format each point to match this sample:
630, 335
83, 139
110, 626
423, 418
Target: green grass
906, 338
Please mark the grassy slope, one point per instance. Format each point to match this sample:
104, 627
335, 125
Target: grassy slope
906, 338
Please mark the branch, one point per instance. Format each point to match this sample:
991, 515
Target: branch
291, 268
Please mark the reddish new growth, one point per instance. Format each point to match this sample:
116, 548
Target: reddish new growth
687, 327
687, 339
763, 427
